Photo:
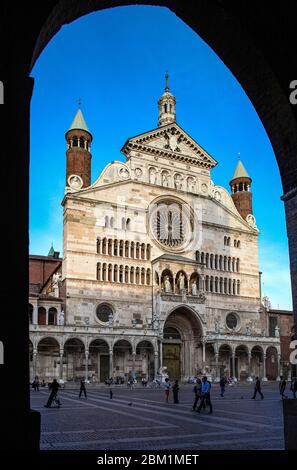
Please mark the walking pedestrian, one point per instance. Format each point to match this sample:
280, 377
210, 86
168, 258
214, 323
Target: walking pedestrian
198, 394
205, 390
294, 386
282, 387
257, 389
223, 383
54, 387
82, 389
167, 389
175, 390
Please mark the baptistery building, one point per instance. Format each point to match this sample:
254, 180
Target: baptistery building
159, 267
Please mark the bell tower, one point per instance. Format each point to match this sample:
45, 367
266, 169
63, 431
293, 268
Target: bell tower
78, 154
241, 190
166, 105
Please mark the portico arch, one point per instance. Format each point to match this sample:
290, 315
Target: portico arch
99, 360
144, 361
74, 354
182, 350
225, 356
242, 362
123, 359
257, 357
271, 363
47, 361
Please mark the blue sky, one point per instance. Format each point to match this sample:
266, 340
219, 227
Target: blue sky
115, 61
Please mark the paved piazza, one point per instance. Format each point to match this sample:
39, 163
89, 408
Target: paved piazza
140, 419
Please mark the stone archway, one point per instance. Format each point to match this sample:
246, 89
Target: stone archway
74, 354
225, 363
144, 361
181, 345
257, 358
98, 369
242, 362
271, 363
47, 365
123, 360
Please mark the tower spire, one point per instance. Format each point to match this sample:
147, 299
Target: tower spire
166, 105
241, 189
166, 81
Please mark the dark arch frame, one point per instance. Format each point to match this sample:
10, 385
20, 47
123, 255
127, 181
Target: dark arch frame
257, 57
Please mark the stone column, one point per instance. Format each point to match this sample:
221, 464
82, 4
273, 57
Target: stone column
133, 364
61, 363
217, 378
156, 364
110, 363
233, 363
264, 378
279, 367
161, 354
35, 357
46, 316
87, 365
35, 315
249, 379
203, 355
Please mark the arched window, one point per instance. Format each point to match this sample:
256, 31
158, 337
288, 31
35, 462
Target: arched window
126, 274
137, 280
128, 224
104, 246
104, 272
121, 248
82, 143
75, 142
142, 276
99, 246
237, 265
121, 279
115, 273
148, 252
52, 316
198, 256
115, 248
110, 272
143, 251
41, 316
106, 221
98, 276
238, 244
126, 249
132, 277
234, 287
238, 287
137, 251
109, 247
148, 276
132, 250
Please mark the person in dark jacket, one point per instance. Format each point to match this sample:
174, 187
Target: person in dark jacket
223, 382
294, 386
282, 387
82, 389
54, 387
198, 394
175, 389
257, 389
205, 389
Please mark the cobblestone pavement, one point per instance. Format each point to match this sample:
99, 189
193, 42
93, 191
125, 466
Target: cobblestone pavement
140, 419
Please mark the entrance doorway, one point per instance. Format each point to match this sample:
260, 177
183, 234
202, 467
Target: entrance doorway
104, 367
171, 360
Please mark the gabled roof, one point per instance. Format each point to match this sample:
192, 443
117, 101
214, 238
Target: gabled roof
171, 257
240, 171
174, 137
79, 122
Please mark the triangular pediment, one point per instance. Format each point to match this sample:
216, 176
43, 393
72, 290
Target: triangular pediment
170, 141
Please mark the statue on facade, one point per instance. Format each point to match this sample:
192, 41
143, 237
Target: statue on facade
248, 329
56, 279
61, 318
181, 281
194, 288
167, 284
165, 181
276, 331
178, 182
153, 176
266, 303
110, 319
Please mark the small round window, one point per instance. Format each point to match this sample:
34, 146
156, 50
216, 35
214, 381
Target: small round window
231, 321
103, 312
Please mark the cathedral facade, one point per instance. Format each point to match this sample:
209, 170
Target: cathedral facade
159, 268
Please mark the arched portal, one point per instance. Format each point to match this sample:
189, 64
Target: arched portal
225, 362
181, 348
74, 353
47, 366
271, 363
242, 362
99, 361
144, 363
257, 356
122, 360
